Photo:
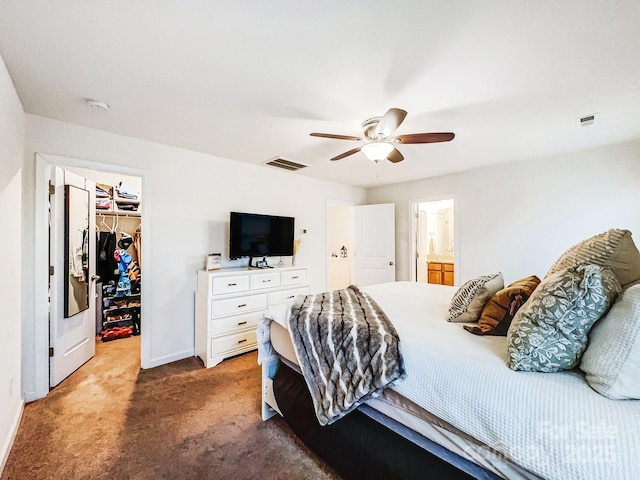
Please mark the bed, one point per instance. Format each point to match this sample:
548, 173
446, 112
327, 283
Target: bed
460, 401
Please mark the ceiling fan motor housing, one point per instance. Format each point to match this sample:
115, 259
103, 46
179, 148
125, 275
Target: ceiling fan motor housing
369, 127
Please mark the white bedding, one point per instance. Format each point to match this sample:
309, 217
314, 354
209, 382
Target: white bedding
551, 424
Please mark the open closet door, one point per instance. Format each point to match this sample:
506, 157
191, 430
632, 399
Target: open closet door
375, 240
72, 243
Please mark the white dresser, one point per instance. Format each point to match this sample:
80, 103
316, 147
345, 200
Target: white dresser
229, 303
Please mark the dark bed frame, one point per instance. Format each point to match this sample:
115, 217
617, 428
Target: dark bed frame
360, 447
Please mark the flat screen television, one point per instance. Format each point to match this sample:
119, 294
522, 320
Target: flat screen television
254, 235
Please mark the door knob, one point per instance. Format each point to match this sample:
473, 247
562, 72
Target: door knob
391, 263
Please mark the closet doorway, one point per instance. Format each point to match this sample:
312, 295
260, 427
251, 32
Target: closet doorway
118, 254
37, 345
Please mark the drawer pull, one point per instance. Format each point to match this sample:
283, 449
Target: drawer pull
242, 341
266, 281
242, 305
291, 296
242, 323
232, 285
295, 278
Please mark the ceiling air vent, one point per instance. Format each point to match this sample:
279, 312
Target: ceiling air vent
587, 120
285, 164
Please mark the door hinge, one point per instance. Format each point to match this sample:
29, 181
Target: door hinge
52, 189
51, 351
51, 269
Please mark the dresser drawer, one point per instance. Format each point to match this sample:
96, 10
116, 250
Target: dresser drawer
226, 325
238, 305
233, 342
286, 296
265, 280
230, 284
448, 267
293, 277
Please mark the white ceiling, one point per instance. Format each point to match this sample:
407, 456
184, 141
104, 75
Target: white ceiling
249, 80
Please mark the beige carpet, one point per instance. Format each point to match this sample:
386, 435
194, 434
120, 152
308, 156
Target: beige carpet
111, 420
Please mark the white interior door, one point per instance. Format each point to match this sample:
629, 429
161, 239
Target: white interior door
375, 240
72, 243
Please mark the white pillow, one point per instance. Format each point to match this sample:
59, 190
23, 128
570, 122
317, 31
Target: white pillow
612, 359
467, 303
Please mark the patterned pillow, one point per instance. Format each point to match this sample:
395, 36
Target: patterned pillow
467, 303
549, 333
613, 248
497, 314
612, 360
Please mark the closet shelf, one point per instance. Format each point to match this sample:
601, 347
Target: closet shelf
111, 213
124, 307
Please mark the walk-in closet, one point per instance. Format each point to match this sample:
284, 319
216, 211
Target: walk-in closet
118, 254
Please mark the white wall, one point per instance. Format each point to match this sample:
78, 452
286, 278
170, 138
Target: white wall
187, 199
519, 218
12, 137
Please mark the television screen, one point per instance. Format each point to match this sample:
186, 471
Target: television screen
253, 235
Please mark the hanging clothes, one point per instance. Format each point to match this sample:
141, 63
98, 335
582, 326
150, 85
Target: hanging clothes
137, 243
107, 266
124, 282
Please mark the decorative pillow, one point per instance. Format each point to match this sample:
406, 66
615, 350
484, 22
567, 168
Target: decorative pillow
467, 303
613, 248
549, 333
497, 314
612, 360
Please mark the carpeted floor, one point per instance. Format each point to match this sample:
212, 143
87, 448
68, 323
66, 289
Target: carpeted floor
111, 420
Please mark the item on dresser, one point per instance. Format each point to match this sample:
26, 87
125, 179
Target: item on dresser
214, 261
229, 303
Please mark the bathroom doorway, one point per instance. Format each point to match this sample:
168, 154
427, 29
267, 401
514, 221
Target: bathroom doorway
434, 241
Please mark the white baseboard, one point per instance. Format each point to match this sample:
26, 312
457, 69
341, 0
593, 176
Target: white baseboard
174, 357
8, 443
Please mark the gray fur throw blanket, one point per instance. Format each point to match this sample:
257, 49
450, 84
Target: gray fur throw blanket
348, 350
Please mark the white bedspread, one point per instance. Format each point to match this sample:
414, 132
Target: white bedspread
552, 424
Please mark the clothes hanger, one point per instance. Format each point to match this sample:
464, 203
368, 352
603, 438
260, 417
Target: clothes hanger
102, 222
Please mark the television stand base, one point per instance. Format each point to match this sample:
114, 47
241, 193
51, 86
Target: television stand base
260, 263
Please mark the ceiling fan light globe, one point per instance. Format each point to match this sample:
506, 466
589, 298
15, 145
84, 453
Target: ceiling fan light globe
376, 151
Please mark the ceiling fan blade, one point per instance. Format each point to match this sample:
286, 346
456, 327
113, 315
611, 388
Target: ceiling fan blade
389, 122
426, 137
346, 154
331, 135
395, 156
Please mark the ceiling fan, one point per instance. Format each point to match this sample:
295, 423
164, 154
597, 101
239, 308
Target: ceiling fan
380, 144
